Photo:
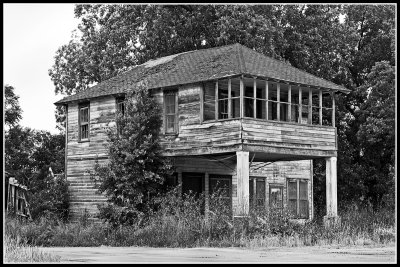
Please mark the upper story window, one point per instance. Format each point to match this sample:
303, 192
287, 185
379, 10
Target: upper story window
245, 97
171, 112
84, 118
120, 103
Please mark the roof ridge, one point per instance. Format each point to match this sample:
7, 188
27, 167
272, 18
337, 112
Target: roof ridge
242, 65
290, 65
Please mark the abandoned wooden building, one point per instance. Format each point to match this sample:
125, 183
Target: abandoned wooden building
232, 116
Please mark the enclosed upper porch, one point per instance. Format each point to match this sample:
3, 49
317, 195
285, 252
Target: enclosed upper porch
279, 121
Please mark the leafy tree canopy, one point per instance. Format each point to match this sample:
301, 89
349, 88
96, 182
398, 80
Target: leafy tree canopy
13, 112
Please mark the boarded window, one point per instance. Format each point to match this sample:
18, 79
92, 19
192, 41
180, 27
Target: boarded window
171, 110
298, 198
84, 122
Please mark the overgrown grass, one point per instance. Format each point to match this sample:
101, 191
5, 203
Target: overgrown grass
181, 223
16, 250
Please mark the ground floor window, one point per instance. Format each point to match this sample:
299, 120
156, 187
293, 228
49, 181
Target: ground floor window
221, 186
257, 193
297, 194
276, 197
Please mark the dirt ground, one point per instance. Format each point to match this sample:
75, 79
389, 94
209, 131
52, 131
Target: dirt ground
228, 255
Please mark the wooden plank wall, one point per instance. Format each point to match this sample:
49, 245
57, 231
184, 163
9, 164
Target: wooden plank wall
290, 135
81, 155
193, 135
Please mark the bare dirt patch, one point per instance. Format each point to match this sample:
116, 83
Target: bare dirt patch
228, 255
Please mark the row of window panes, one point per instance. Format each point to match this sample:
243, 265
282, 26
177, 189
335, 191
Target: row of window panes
209, 111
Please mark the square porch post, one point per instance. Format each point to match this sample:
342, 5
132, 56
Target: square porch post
331, 217
241, 207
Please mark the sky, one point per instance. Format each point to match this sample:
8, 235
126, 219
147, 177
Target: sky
32, 33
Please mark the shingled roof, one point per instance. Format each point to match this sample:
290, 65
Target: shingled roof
203, 65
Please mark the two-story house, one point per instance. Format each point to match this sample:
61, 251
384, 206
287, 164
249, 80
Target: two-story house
232, 117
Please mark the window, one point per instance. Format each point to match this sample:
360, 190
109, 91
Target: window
171, 112
298, 198
84, 122
221, 185
257, 192
120, 109
223, 104
276, 197
121, 105
249, 102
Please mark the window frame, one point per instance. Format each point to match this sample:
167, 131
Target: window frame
119, 102
82, 106
298, 197
253, 198
275, 186
167, 93
213, 177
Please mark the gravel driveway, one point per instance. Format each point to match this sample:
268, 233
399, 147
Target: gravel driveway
228, 255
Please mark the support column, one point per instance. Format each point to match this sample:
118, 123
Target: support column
289, 109
216, 101
266, 97
241, 97
255, 98
300, 105
278, 104
229, 98
242, 172
309, 105
333, 109
331, 217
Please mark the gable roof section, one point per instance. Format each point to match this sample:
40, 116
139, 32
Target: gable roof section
202, 65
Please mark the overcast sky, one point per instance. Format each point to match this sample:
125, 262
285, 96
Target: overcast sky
32, 35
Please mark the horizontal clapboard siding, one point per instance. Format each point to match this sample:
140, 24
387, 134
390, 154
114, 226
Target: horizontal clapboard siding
268, 133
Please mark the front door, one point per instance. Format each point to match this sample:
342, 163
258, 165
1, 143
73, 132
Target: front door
192, 182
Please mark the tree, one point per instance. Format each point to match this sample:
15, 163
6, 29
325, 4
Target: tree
376, 134
28, 156
13, 112
136, 169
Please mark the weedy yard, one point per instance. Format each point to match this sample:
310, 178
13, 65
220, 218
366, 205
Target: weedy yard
181, 223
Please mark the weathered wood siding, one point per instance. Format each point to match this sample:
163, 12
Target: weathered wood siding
195, 138
81, 155
305, 138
